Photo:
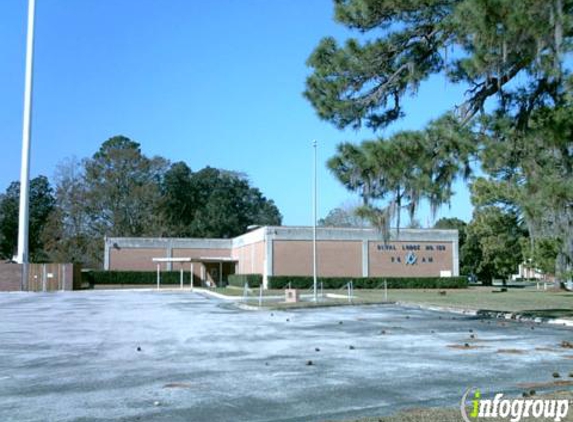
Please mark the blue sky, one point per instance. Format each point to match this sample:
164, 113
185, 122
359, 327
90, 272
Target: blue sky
209, 83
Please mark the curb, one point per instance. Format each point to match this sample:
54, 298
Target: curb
246, 307
491, 314
459, 311
236, 300
204, 292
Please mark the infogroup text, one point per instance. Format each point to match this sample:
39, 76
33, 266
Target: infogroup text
512, 409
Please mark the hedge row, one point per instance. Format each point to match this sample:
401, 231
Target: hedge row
239, 280
133, 277
303, 282
277, 282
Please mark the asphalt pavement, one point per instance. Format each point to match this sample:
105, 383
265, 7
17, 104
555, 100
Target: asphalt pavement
178, 356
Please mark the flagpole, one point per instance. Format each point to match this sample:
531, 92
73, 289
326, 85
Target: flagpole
24, 210
314, 201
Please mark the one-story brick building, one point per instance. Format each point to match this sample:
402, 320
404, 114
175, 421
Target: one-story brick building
341, 252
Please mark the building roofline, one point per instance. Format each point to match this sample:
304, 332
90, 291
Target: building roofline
291, 232
214, 239
358, 229
357, 234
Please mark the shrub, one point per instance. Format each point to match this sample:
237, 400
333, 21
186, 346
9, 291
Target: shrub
239, 280
133, 277
305, 282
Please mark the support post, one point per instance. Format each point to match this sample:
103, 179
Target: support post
203, 281
158, 275
44, 275
181, 276
365, 259
220, 274
246, 292
192, 275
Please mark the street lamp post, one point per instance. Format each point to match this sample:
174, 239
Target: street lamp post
23, 222
314, 201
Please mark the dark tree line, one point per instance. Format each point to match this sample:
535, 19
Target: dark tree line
121, 192
212, 203
42, 204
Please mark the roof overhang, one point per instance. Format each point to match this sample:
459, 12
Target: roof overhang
215, 259
200, 259
171, 259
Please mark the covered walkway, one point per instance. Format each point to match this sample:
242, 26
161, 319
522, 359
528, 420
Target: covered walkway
205, 271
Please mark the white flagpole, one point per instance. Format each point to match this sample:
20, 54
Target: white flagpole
23, 223
314, 201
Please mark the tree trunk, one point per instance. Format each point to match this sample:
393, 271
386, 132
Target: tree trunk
560, 270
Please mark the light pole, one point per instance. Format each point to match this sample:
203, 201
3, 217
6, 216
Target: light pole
314, 201
23, 222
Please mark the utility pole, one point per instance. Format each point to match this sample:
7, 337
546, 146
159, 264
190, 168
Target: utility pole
24, 212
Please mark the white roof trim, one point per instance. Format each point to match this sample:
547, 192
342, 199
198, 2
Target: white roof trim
171, 259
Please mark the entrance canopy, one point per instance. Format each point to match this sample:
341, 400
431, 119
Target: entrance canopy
215, 272
203, 261
171, 260
214, 259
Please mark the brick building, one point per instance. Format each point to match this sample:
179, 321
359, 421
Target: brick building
341, 252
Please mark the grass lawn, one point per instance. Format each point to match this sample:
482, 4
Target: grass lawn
549, 304
541, 303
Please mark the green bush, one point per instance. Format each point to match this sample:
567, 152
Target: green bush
304, 282
133, 277
239, 280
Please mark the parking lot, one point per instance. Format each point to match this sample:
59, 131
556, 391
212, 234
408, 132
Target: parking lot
178, 356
